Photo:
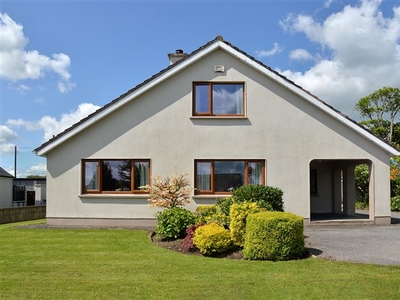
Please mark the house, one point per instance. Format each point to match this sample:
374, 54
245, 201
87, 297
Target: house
227, 120
6, 189
29, 191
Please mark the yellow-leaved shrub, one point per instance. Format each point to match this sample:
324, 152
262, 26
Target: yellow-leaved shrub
206, 214
212, 239
238, 215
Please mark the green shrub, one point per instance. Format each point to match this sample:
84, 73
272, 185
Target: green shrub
395, 203
238, 215
362, 205
267, 197
173, 222
212, 239
274, 236
225, 205
206, 214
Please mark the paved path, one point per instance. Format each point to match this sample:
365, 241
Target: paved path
364, 243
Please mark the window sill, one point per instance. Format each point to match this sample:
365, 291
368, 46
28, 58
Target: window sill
214, 196
115, 196
219, 117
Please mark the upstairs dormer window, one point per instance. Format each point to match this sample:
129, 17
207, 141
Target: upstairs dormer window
218, 99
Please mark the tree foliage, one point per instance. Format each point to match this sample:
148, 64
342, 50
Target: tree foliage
382, 108
361, 174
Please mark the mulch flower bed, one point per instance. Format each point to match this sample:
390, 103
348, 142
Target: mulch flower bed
176, 245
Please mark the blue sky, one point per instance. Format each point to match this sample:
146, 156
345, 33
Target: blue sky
61, 60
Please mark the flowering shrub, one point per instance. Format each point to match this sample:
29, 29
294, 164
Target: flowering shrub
169, 192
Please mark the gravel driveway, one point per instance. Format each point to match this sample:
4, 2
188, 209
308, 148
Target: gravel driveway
364, 243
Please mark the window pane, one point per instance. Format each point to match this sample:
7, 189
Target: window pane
202, 99
254, 173
203, 176
141, 172
116, 175
91, 175
228, 175
227, 99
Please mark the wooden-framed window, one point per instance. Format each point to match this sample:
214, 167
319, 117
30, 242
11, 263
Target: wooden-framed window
218, 99
222, 176
114, 175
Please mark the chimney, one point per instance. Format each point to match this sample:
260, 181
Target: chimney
174, 57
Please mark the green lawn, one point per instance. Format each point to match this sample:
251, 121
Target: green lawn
124, 264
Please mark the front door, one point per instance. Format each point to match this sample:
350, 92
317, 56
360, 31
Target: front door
30, 198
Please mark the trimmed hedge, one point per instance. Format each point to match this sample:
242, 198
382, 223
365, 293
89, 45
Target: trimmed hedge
274, 236
212, 239
238, 215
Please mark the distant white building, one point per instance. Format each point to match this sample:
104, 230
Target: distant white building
6, 189
29, 191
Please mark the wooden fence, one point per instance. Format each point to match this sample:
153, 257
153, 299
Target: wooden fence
24, 213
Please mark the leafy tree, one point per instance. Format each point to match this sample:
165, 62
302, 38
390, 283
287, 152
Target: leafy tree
382, 108
36, 177
361, 174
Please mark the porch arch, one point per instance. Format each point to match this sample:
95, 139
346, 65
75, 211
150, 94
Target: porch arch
333, 189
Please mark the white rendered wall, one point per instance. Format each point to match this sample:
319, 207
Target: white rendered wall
280, 127
6, 192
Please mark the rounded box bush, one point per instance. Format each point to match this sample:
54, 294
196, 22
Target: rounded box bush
212, 239
268, 197
173, 222
274, 236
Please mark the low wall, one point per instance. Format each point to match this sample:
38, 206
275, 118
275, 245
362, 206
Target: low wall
25, 213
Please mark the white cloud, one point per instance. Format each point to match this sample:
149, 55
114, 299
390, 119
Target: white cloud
40, 100
38, 169
65, 87
50, 125
265, 53
328, 3
6, 134
17, 63
300, 54
363, 48
6, 137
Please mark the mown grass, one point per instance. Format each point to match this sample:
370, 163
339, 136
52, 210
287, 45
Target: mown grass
123, 264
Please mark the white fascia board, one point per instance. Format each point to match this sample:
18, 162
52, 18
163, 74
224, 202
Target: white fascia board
129, 97
311, 99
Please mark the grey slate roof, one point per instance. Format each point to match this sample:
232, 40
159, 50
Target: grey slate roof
217, 39
4, 173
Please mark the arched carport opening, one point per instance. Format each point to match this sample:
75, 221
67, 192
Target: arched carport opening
333, 192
